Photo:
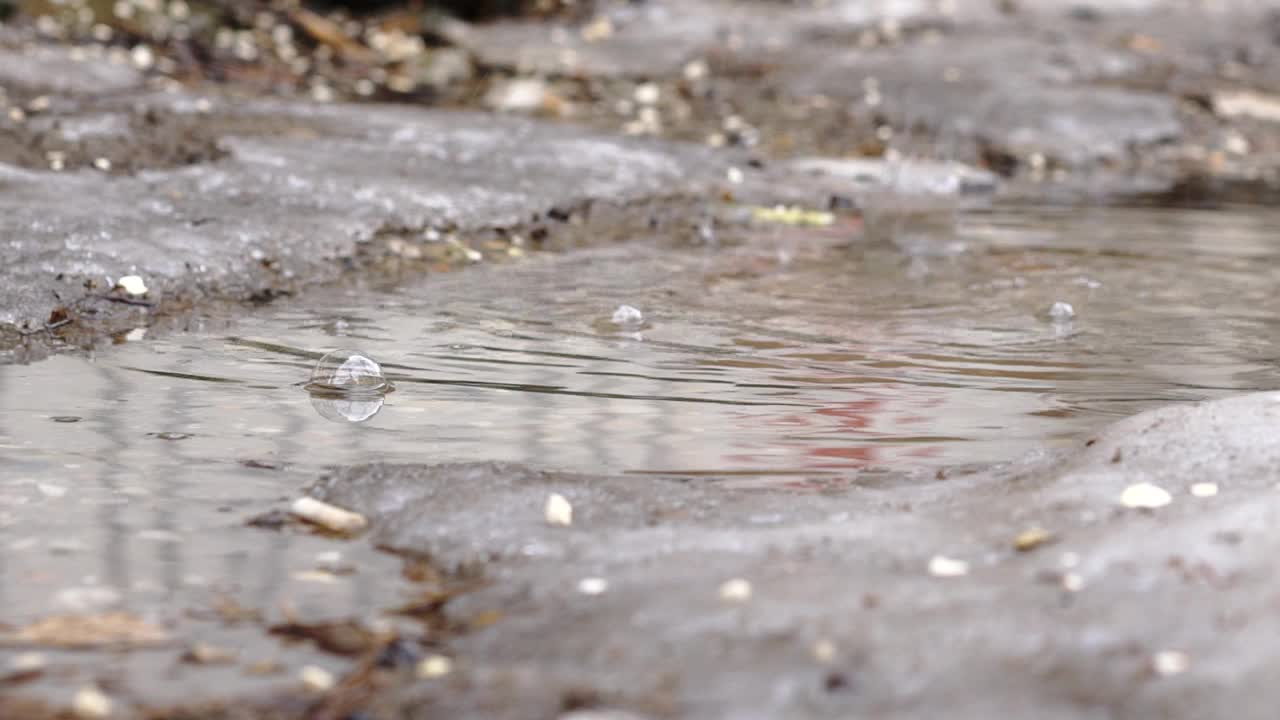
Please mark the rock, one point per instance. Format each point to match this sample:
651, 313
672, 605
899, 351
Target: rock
1242, 103
526, 95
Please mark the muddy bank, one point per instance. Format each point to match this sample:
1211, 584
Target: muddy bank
1112, 579
1031, 589
262, 212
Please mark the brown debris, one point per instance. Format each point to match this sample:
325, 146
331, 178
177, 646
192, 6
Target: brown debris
327, 32
114, 629
342, 637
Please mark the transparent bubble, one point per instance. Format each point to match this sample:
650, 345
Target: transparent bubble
627, 315
344, 373
1062, 312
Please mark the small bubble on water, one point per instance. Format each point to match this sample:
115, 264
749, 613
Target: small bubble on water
1062, 312
627, 315
348, 372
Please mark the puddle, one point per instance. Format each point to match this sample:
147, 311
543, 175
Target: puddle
768, 364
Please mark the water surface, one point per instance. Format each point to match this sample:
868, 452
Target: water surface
784, 361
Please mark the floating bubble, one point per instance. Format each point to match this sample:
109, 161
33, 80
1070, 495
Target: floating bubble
344, 373
1062, 312
347, 386
627, 315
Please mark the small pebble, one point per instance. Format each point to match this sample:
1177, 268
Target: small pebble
1031, 539
824, 651
593, 586
202, 654
90, 702
696, 70
102, 164
736, 590
316, 678
133, 285
943, 566
647, 94
435, 666
1145, 496
558, 511
1062, 312
330, 517
1204, 489
315, 576
1170, 662
1072, 582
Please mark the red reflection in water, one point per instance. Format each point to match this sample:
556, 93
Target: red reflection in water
851, 422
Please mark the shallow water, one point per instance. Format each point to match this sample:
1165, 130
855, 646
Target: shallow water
784, 361
745, 363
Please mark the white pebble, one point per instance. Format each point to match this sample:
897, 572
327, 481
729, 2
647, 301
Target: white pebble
1145, 496
102, 164
435, 666
330, 517
1062, 311
593, 586
1170, 662
558, 511
1204, 489
943, 566
316, 678
647, 94
736, 590
696, 70
90, 702
824, 651
133, 285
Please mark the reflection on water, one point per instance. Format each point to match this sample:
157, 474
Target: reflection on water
748, 367
834, 361
346, 409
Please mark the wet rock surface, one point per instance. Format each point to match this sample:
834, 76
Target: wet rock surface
847, 608
263, 214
